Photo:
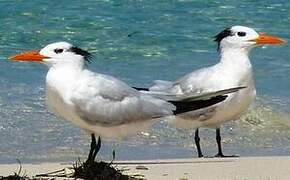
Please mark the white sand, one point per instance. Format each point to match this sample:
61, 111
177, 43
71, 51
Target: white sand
246, 168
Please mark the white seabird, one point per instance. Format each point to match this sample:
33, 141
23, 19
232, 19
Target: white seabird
102, 104
233, 70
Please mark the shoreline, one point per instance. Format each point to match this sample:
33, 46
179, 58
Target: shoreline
243, 168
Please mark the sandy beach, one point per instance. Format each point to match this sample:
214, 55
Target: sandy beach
245, 168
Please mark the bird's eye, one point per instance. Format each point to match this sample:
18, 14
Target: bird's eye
57, 51
241, 34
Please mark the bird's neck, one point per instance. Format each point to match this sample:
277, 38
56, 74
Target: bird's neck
232, 57
235, 65
60, 78
74, 64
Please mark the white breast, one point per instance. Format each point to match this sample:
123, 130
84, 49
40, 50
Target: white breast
221, 76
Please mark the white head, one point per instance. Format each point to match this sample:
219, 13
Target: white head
55, 54
241, 37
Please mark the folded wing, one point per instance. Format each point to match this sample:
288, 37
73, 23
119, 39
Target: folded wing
107, 101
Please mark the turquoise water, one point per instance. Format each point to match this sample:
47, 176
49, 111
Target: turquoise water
139, 41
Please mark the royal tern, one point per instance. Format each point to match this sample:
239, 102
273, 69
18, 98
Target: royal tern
234, 69
100, 103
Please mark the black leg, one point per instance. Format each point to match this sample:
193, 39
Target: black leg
94, 148
218, 140
113, 156
97, 148
197, 140
93, 145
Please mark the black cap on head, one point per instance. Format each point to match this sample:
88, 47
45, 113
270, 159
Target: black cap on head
81, 52
220, 36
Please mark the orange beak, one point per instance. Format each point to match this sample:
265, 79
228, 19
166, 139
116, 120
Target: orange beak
28, 56
267, 39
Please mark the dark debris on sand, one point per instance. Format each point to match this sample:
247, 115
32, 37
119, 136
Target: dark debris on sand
98, 170
89, 170
101, 170
16, 176
92, 170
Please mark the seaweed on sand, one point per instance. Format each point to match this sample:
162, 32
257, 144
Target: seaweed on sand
93, 169
99, 170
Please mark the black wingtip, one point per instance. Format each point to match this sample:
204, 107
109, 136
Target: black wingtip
183, 107
141, 89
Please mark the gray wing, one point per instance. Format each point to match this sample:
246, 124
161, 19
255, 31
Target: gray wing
199, 81
107, 101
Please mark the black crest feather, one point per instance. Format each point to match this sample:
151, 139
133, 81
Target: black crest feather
82, 52
220, 36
